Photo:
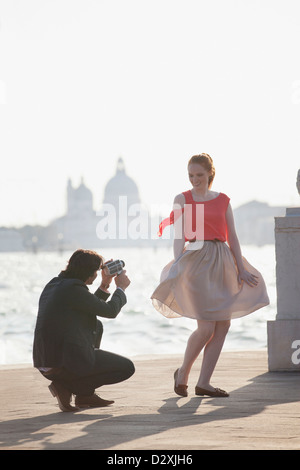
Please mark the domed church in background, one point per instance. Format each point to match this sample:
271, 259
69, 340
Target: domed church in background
84, 227
121, 209
79, 200
76, 229
121, 185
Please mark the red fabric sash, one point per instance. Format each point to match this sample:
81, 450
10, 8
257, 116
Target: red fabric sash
174, 214
169, 221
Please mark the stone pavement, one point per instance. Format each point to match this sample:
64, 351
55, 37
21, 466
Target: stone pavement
262, 412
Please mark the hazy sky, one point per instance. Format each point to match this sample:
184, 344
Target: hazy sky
83, 82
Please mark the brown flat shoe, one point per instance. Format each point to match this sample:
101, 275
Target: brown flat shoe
180, 389
63, 397
216, 393
92, 401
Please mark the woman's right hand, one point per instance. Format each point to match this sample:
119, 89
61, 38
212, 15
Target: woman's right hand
247, 277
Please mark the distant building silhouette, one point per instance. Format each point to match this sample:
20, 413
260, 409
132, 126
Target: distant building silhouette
254, 222
77, 227
79, 201
10, 240
120, 208
121, 185
83, 226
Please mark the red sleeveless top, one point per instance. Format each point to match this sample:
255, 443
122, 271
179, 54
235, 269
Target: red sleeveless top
214, 217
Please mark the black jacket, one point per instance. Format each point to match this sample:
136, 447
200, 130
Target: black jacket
65, 330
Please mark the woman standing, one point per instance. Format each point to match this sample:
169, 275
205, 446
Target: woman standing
208, 280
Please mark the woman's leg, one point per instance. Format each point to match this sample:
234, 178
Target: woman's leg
196, 343
211, 354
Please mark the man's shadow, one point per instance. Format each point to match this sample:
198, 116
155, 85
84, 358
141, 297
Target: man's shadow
107, 431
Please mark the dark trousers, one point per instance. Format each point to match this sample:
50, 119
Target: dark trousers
109, 368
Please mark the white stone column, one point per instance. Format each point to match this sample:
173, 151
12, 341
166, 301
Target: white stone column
284, 332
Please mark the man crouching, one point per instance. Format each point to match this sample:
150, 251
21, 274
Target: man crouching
67, 334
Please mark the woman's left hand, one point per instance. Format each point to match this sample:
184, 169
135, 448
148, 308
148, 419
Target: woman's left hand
247, 277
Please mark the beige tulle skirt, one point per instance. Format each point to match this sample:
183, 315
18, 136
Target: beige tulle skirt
203, 284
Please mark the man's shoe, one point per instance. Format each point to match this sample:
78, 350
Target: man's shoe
63, 396
92, 401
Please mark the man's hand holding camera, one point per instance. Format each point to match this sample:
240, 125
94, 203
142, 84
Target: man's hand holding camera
122, 281
114, 269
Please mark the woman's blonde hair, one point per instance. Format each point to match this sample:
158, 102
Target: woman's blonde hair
207, 162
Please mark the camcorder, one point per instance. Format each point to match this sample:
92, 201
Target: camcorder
114, 267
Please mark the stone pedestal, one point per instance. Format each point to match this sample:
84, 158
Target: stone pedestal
284, 332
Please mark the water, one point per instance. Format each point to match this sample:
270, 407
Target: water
139, 329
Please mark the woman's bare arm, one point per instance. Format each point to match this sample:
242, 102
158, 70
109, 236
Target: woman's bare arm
234, 245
